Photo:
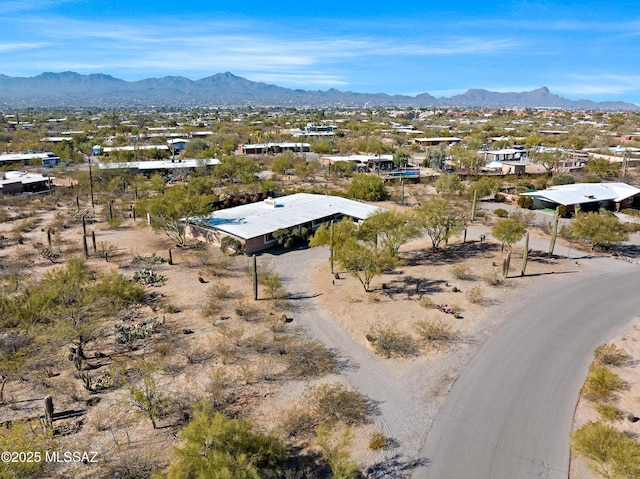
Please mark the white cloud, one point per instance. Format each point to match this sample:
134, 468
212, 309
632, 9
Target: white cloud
16, 47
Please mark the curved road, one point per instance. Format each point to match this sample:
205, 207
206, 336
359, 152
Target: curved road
510, 412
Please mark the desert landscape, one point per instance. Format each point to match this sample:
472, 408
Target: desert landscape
208, 339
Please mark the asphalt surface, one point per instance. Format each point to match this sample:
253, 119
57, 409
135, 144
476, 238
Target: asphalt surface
510, 413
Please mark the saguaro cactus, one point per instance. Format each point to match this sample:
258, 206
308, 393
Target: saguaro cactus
473, 205
554, 231
48, 411
505, 265
525, 254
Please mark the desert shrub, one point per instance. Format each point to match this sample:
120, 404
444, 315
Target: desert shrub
610, 354
461, 271
230, 245
476, 295
563, 179
221, 447
336, 452
525, 202
272, 286
377, 441
493, 277
114, 223
591, 178
608, 411
298, 421
307, 358
24, 436
106, 248
427, 302
245, 309
613, 453
216, 296
601, 383
389, 341
334, 402
501, 212
499, 197
562, 211
119, 289
436, 332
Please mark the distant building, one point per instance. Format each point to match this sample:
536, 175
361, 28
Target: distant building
159, 165
438, 140
19, 182
48, 159
273, 148
588, 196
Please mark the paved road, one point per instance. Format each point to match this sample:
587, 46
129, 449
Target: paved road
510, 412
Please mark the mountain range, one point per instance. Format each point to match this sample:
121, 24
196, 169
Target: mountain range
70, 89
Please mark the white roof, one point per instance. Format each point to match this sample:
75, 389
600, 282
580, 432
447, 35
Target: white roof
10, 177
357, 158
585, 193
108, 149
159, 164
26, 156
257, 219
281, 145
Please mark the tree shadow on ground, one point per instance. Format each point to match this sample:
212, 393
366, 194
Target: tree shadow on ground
411, 286
394, 467
450, 254
628, 250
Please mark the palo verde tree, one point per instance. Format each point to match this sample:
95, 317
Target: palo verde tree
448, 184
354, 251
364, 261
510, 230
367, 186
146, 394
172, 211
439, 220
216, 447
390, 229
599, 229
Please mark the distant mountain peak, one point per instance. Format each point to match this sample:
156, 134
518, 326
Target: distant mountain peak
71, 89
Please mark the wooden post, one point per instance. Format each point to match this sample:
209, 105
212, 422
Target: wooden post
110, 210
255, 278
93, 204
93, 240
85, 247
170, 257
49, 236
464, 238
84, 226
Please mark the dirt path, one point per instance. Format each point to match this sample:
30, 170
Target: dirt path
407, 393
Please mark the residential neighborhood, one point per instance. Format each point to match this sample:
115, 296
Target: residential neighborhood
309, 275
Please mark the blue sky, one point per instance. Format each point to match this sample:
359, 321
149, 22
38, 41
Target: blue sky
578, 49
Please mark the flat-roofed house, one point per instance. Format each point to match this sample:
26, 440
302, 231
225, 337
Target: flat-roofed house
589, 196
254, 224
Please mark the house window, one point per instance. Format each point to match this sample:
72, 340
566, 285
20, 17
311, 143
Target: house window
268, 238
